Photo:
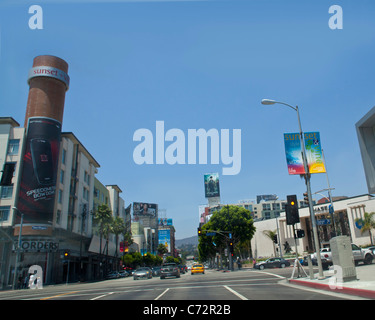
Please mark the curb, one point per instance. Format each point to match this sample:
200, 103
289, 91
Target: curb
346, 290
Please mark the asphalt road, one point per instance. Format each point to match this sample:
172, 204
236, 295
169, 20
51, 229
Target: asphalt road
212, 286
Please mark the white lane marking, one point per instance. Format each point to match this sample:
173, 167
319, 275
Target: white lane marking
102, 296
236, 293
160, 295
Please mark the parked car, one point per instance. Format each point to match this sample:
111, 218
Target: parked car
360, 255
156, 271
182, 269
142, 273
314, 261
197, 268
124, 274
372, 249
272, 263
169, 270
113, 275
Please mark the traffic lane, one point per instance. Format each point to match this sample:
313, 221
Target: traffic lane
198, 293
279, 291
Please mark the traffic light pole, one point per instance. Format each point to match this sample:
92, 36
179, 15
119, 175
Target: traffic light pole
229, 238
307, 179
308, 186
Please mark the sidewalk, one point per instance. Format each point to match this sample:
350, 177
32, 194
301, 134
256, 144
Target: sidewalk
364, 286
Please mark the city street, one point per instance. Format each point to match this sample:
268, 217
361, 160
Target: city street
245, 284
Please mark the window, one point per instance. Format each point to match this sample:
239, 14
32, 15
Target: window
13, 146
62, 176
85, 193
87, 178
4, 213
60, 196
58, 216
6, 192
63, 156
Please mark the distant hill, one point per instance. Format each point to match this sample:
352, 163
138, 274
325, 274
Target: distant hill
187, 241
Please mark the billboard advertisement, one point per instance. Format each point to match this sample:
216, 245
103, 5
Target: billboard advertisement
211, 185
165, 238
293, 151
165, 222
145, 209
40, 161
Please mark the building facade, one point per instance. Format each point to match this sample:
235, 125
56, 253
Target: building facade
346, 211
366, 137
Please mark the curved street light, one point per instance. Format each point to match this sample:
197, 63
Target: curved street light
308, 185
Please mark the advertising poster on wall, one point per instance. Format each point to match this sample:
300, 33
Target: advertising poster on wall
293, 151
145, 209
165, 238
40, 161
211, 185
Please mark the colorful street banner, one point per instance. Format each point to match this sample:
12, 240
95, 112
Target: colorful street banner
314, 152
293, 153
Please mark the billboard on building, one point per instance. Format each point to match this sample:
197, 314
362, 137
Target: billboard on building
165, 238
211, 185
40, 161
145, 209
165, 222
293, 151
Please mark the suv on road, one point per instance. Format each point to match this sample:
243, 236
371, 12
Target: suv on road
169, 270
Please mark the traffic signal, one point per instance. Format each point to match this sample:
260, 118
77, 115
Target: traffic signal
291, 210
274, 238
199, 232
66, 254
306, 198
300, 233
231, 247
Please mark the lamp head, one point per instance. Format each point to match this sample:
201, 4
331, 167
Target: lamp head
268, 102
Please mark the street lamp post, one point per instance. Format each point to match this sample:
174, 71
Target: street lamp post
18, 249
308, 185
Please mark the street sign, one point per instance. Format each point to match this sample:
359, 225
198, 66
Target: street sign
359, 224
322, 222
331, 209
210, 234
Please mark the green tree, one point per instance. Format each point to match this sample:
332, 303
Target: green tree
368, 223
161, 249
102, 220
117, 228
233, 219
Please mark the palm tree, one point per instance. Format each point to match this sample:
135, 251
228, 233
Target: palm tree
368, 223
102, 218
271, 235
117, 227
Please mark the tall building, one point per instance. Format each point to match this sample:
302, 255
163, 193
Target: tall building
48, 190
366, 137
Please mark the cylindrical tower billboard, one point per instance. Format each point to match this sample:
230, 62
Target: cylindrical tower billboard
48, 81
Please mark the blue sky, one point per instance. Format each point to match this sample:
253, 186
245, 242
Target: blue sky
201, 64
